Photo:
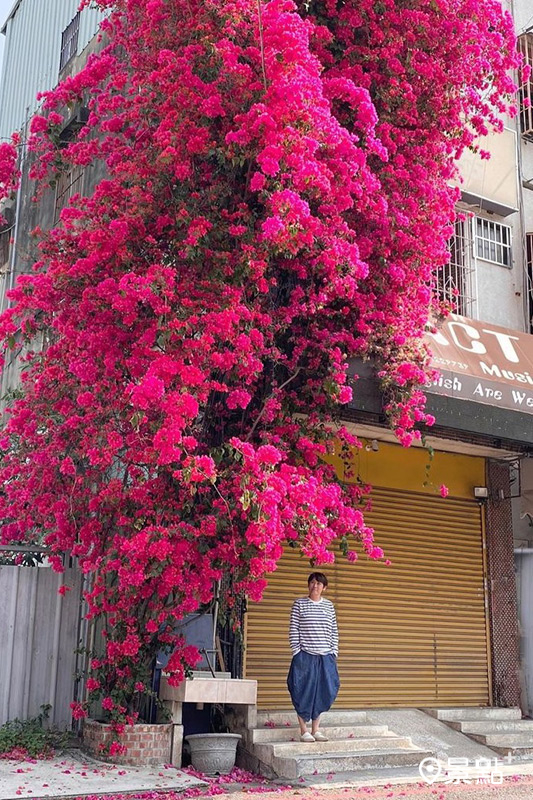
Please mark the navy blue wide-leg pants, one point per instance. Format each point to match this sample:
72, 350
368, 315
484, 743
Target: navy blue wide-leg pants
313, 683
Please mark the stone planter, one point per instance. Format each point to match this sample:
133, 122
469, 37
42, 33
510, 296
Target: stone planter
213, 752
147, 745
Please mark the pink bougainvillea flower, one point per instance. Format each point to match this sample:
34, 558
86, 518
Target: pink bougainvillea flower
276, 213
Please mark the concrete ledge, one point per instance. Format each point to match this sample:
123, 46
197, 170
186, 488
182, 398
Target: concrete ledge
210, 690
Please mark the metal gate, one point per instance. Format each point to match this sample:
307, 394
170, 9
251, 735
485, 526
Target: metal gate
411, 634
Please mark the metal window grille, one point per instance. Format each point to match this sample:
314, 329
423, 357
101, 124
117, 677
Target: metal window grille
5, 237
503, 617
456, 283
529, 256
525, 47
69, 42
68, 184
493, 241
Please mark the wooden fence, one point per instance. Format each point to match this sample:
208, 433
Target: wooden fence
39, 632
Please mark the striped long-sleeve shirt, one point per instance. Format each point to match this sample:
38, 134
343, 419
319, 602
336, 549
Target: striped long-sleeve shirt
313, 627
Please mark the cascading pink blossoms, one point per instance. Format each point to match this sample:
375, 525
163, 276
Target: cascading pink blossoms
276, 204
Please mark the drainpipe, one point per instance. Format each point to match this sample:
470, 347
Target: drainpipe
521, 210
215, 619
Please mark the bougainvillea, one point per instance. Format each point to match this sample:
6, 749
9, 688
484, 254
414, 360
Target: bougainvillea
276, 203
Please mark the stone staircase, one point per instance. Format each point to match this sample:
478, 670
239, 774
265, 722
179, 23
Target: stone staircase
274, 749
501, 729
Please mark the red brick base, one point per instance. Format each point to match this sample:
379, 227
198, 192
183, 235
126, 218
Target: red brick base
146, 744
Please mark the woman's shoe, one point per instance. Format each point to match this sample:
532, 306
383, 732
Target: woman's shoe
307, 737
320, 737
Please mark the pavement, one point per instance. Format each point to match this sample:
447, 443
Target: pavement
74, 774
511, 789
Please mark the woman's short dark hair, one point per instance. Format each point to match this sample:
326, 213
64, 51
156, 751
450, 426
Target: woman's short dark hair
319, 577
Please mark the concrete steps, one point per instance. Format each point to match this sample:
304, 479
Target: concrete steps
474, 714
288, 719
493, 726
288, 749
292, 768
260, 735
354, 744
502, 739
501, 729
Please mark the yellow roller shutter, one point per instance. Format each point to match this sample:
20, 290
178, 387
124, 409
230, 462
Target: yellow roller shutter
413, 633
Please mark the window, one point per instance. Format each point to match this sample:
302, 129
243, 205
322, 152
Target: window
69, 42
456, 279
525, 47
69, 183
493, 242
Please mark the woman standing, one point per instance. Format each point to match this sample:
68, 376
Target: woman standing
313, 679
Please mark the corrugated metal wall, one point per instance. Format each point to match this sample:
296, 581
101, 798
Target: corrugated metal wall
38, 635
31, 55
412, 634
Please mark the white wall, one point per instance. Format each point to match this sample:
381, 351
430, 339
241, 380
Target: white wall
524, 580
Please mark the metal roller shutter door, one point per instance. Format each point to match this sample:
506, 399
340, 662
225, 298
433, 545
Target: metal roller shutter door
412, 634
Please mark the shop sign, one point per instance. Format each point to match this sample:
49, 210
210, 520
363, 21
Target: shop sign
483, 363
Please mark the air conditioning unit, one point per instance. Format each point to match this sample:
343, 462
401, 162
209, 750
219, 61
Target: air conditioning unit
78, 118
7, 215
7, 222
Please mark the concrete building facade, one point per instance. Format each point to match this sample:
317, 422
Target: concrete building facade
452, 637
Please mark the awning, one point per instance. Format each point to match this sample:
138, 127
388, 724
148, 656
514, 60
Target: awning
483, 363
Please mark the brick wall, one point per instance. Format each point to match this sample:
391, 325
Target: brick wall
146, 744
